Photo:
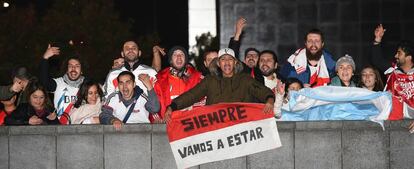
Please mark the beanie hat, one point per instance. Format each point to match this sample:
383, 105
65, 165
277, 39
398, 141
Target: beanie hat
173, 49
226, 51
345, 59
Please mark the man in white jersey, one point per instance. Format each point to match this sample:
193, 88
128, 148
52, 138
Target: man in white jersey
130, 53
65, 88
130, 104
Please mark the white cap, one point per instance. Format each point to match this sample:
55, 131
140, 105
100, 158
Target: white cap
226, 51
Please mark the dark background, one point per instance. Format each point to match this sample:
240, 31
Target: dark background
98, 29
102, 26
280, 25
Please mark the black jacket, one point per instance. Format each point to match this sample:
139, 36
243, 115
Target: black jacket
22, 114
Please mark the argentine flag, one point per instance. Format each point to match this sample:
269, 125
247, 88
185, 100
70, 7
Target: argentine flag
337, 103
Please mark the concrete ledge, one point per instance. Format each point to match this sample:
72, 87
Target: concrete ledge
129, 128
400, 125
32, 151
30, 130
365, 125
286, 125
80, 129
312, 125
4, 130
321, 144
4, 149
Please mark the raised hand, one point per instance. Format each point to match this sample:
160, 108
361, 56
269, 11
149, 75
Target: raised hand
51, 51
240, 24
158, 49
145, 79
379, 33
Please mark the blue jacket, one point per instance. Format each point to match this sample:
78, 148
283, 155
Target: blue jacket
288, 71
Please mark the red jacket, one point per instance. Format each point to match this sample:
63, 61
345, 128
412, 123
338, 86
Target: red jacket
162, 86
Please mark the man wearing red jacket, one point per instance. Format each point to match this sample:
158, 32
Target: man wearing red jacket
176, 79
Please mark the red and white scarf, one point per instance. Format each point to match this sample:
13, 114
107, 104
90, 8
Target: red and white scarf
319, 76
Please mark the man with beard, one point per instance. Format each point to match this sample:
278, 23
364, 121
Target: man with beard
176, 79
268, 65
400, 80
208, 56
131, 53
251, 55
227, 83
312, 65
130, 104
65, 88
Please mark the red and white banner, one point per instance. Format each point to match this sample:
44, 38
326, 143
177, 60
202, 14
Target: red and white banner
402, 88
221, 131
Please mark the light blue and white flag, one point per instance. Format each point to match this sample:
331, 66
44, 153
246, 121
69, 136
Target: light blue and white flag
337, 103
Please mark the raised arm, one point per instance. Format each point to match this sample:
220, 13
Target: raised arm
44, 77
378, 57
235, 42
379, 33
157, 52
152, 105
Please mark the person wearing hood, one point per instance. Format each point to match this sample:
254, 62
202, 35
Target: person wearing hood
226, 83
176, 79
131, 104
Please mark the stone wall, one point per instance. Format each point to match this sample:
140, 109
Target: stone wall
280, 25
338, 144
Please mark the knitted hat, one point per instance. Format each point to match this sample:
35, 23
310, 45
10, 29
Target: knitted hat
345, 59
226, 51
173, 49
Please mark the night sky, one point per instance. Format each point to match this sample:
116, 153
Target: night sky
168, 18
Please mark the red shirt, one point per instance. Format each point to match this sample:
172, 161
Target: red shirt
168, 86
3, 115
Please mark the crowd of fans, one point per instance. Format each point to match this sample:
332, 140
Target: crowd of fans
137, 93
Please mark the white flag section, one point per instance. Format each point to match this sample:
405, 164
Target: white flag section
221, 131
337, 103
231, 142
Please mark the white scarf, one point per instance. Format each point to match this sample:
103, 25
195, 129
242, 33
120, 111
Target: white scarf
85, 112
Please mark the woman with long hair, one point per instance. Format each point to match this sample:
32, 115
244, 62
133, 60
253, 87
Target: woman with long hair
37, 110
371, 79
88, 106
